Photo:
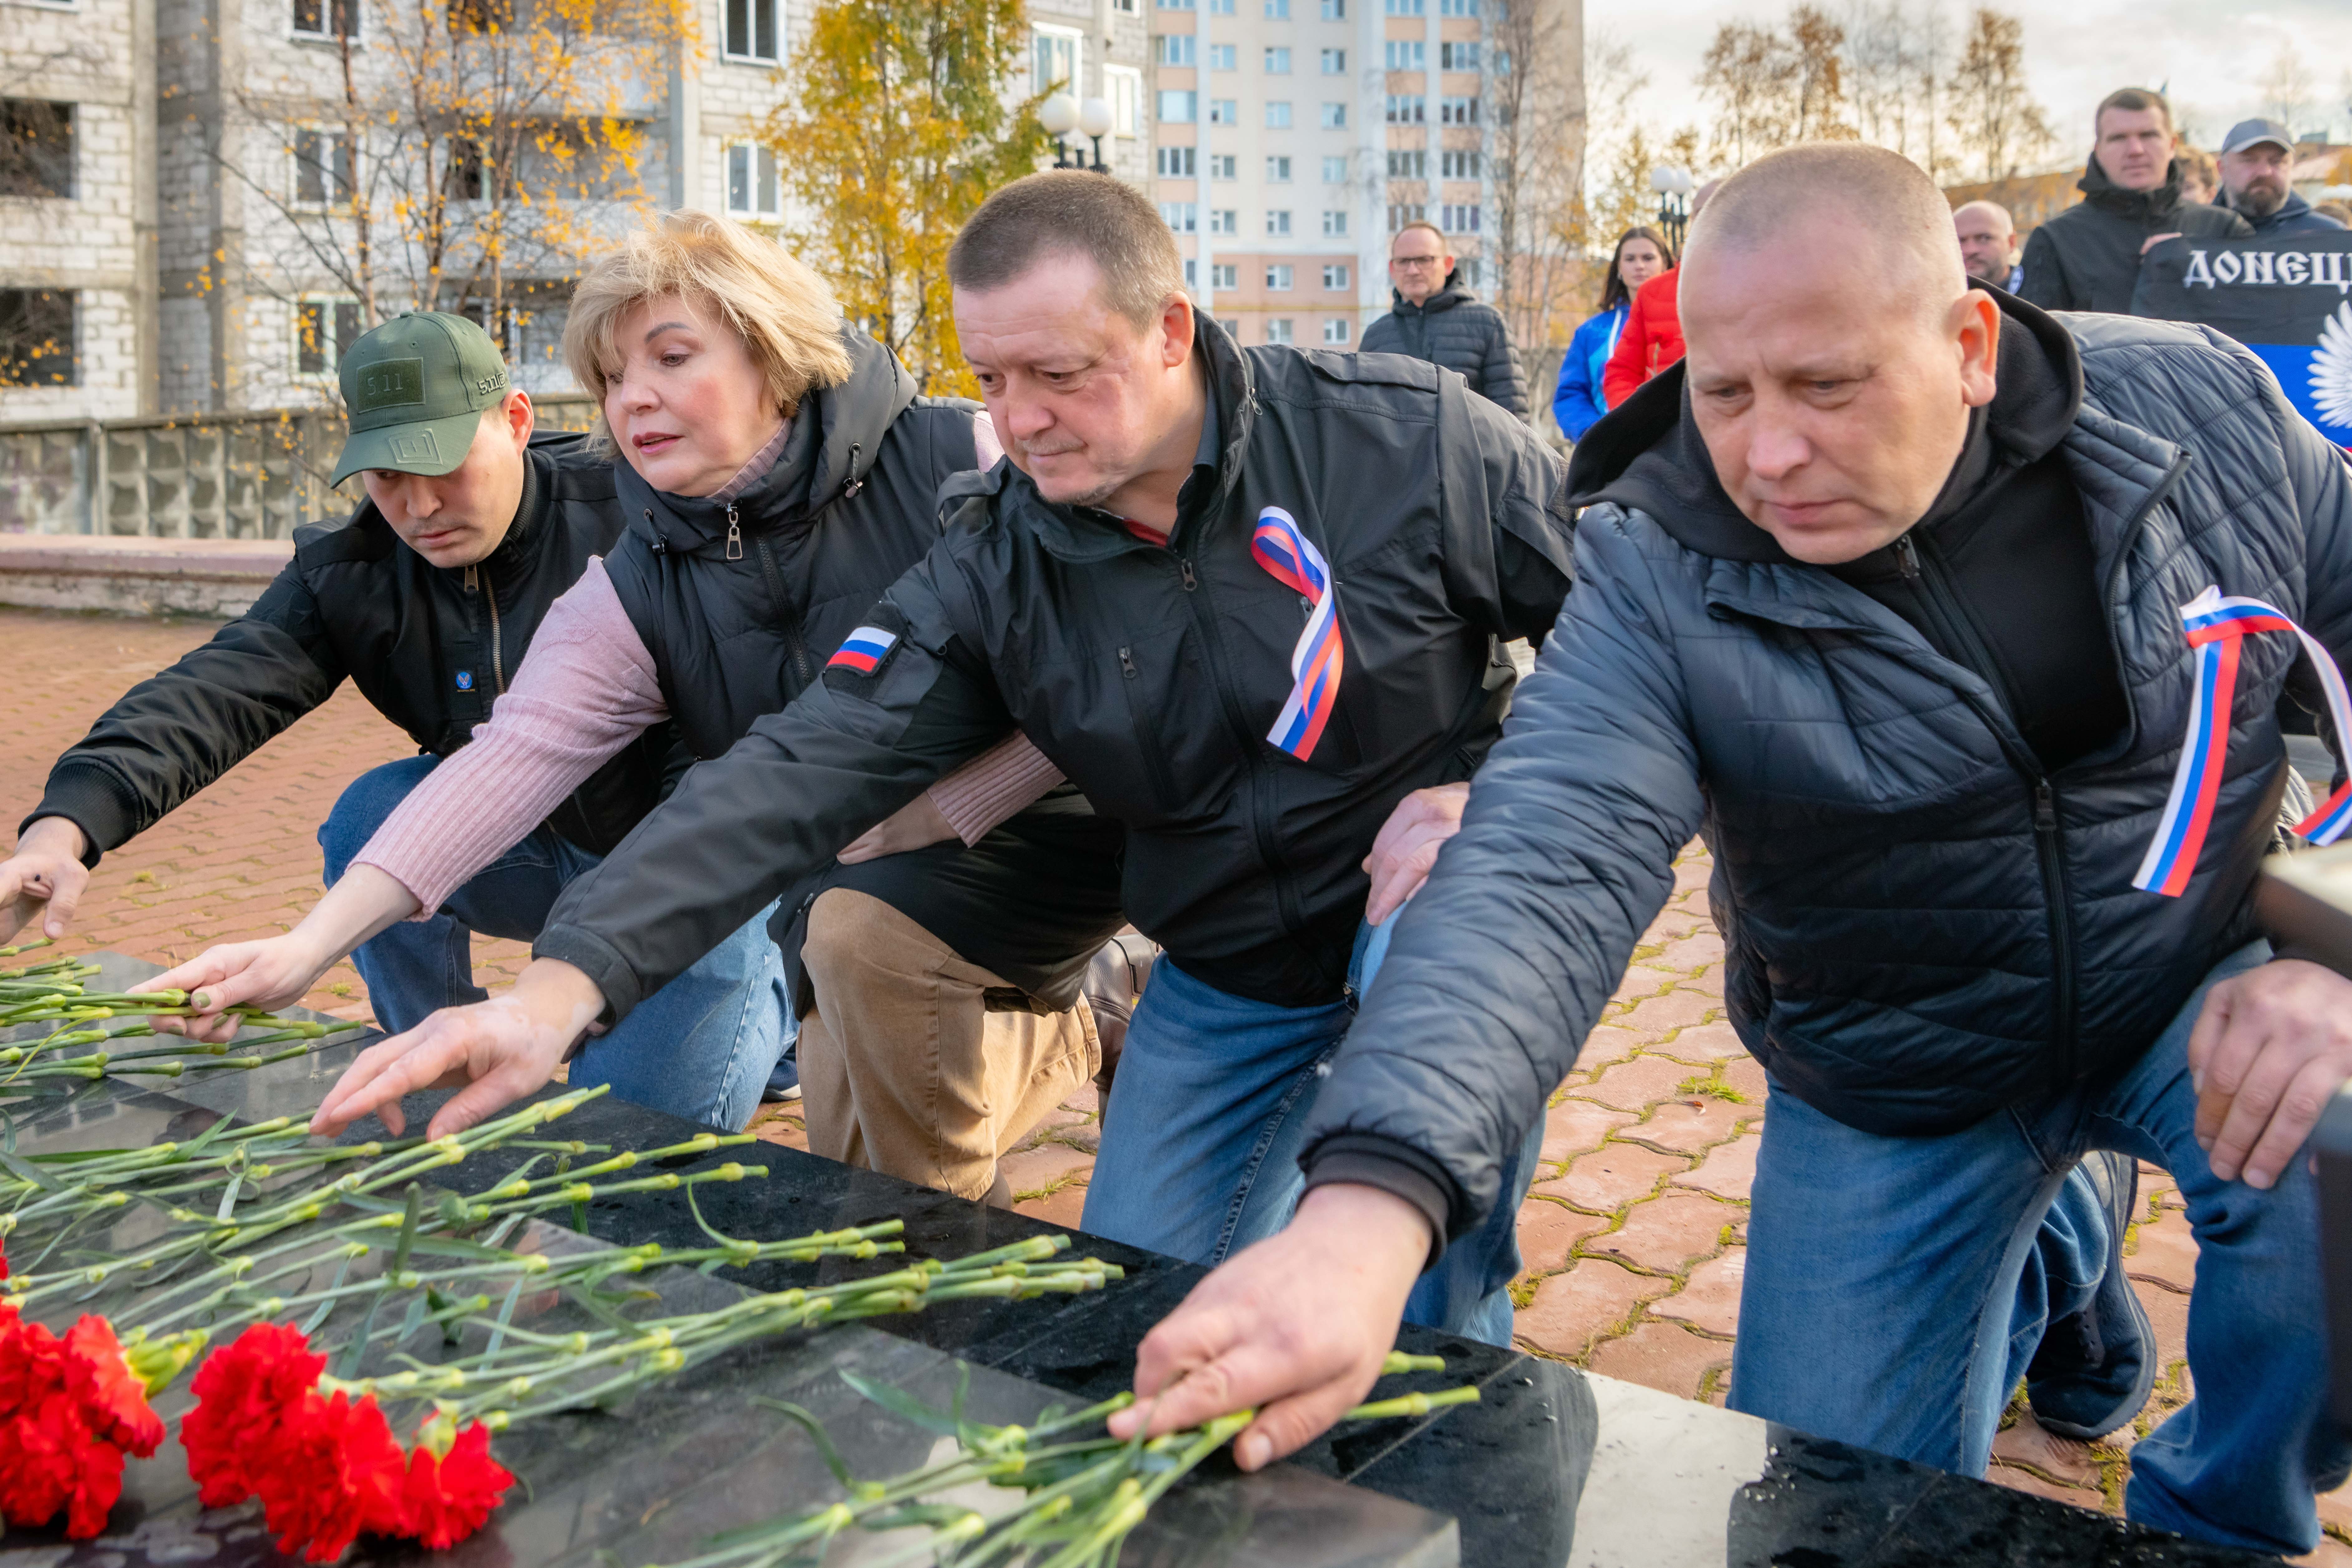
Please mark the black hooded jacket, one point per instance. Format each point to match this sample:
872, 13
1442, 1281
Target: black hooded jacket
2087, 257
740, 603
430, 647
1152, 675
1924, 921
1455, 328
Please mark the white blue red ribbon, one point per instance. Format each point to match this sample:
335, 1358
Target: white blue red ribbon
1317, 658
2215, 623
864, 650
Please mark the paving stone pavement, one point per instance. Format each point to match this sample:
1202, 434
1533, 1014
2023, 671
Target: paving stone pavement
1634, 1233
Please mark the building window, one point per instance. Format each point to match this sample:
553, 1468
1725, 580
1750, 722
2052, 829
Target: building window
1406, 55
1278, 10
1335, 223
1177, 162
1222, 166
1278, 224
1335, 117
1183, 217
1174, 49
752, 30
1457, 56
1335, 328
1454, 165
1224, 220
1224, 111
36, 338
1123, 85
1277, 116
1225, 274
1277, 331
323, 329
752, 181
1413, 165
1334, 10
1334, 170
1457, 218
1278, 277
1223, 58
1176, 106
1403, 213
1458, 8
461, 177
1335, 275
1335, 62
322, 169
1233, 327
36, 148
1457, 111
1406, 8
1221, 8
1056, 57
1176, 4
327, 19
1406, 109
1125, 5
1278, 171
1278, 62
1191, 273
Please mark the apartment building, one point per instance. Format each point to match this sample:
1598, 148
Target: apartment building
200, 195
78, 320
1296, 136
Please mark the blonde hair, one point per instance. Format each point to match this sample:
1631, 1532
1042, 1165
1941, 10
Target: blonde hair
784, 312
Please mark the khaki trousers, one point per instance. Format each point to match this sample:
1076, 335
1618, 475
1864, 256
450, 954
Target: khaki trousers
903, 1069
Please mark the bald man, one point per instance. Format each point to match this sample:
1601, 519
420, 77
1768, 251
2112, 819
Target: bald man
1988, 237
1880, 590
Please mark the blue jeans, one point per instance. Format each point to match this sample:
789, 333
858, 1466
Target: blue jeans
1207, 1119
700, 1048
1890, 1299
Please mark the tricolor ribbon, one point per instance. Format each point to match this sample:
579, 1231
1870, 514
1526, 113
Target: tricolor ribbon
2215, 623
1317, 658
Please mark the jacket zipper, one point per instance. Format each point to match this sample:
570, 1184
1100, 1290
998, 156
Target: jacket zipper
1147, 734
2049, 839
734, 535
474, 578
793, 642
1270, 848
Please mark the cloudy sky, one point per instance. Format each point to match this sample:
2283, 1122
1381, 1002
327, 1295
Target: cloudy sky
2213, 53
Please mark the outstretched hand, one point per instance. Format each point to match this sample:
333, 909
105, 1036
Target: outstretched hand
501, 1050
275, 973
1407, 846
45, 873
1296, 1327
2269, 1049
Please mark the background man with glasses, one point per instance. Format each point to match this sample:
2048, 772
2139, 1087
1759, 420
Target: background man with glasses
1434, 317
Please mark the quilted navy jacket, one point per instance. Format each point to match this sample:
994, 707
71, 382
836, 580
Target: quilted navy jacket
1921, 927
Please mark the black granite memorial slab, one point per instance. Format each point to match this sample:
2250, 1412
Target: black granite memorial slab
1553, 1467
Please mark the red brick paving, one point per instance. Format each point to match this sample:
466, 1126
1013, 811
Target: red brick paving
1648, 1155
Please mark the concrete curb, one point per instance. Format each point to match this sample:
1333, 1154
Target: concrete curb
138, 577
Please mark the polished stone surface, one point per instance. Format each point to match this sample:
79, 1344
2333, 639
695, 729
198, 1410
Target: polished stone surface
1553, 1467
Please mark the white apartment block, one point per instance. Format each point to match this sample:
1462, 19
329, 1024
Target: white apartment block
178, 180
78, 192
1296, 136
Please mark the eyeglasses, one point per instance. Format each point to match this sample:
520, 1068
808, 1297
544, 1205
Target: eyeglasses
1414, 261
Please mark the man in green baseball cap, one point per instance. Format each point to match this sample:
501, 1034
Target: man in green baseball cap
426, 597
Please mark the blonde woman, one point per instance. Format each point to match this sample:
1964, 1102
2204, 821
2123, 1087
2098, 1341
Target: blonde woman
779, 472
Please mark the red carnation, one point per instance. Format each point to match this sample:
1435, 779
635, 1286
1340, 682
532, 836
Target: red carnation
448, 1495
245, 1391
114, 1400
335, 1470
51, 1460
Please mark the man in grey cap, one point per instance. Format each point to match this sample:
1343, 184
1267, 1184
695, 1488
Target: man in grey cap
425, 597
2257, 159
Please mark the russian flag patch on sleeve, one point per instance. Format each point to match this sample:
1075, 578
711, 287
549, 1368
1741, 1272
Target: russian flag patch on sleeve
864, 650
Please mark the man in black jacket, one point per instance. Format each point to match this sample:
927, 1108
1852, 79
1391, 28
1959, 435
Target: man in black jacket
1435, 316
2256, 162
1902, 595
2087, 257
1250, 601
425, 599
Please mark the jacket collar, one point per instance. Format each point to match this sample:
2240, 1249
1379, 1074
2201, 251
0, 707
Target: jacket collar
1646, 454
835, 437
1454, 293
2293, 207
2102, 193
1081, 535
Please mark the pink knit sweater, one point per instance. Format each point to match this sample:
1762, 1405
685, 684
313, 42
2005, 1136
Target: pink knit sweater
584, 690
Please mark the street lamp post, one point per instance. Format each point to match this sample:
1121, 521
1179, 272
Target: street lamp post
1673, 185
1060, 114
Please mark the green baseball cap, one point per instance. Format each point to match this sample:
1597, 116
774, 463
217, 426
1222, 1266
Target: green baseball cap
414, 389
